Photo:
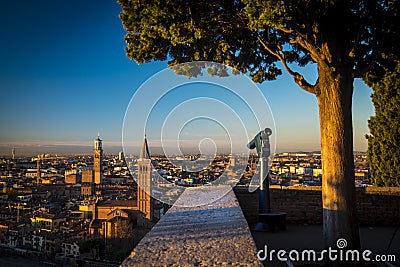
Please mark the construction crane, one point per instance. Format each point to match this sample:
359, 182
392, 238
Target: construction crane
18, 208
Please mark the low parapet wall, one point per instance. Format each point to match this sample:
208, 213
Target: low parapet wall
216, 234
376, 206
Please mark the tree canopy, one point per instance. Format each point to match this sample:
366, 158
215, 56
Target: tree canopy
251, 36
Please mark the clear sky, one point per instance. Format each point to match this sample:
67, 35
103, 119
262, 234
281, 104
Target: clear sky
64, 77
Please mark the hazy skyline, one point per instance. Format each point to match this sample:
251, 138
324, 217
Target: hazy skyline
64, 77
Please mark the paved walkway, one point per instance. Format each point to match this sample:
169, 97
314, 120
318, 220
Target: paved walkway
301, 237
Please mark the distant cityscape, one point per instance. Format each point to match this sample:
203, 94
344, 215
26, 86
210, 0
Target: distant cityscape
89, 208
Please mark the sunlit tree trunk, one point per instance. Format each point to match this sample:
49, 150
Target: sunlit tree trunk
338, 184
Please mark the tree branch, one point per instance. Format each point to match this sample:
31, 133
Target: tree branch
316, 55
298, 78
282, 29
361, 71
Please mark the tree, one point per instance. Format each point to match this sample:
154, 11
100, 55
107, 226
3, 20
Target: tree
125, 229
94, 245
342, 37
11, 194
383, 142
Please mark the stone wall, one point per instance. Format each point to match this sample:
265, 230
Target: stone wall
376, 206
215, 234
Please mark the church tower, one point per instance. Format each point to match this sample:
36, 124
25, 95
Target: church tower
145, 201
98, 159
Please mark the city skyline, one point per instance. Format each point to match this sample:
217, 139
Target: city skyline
65, 76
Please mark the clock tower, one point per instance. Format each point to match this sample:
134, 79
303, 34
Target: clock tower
98, 159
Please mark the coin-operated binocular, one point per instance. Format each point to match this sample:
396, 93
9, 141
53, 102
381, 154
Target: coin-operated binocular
267, 220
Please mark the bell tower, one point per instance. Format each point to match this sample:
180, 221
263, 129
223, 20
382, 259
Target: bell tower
145, 201
98, 160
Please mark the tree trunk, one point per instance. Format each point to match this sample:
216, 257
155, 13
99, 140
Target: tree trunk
338, 183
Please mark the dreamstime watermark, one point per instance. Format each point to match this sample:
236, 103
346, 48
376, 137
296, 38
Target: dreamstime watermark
340, 253
202, 106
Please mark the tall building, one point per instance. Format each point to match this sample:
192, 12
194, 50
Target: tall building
232, 161
145, 201
98, 159
121, 156
71, 176
87, 175
13, 153
38, 171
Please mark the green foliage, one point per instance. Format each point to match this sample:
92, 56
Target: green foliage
384, 140
94, 245
195, 31
229, 32
125, 230
267, 14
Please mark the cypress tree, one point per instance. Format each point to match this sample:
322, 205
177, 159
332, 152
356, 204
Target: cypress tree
384, 139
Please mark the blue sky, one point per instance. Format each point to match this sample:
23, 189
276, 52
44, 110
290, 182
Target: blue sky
64, 77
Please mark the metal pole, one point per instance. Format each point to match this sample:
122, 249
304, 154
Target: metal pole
264, 202
264, 205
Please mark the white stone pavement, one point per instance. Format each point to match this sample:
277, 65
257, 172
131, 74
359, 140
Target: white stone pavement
215, 234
